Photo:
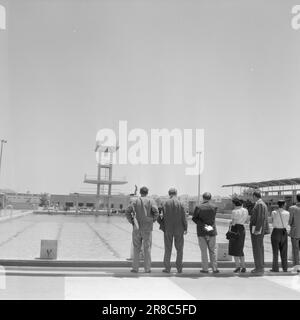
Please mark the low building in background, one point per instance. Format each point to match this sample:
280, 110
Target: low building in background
118, 202
271, 191
20, 201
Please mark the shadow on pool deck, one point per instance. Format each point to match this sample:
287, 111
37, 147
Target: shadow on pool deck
112, 264
191, 273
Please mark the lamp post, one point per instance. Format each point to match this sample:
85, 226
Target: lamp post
77, 196
2, 142
199, 174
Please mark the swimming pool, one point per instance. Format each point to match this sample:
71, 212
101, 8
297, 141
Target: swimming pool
99, 238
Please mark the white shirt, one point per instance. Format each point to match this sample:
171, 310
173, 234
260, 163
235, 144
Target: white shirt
285, 215
239, 216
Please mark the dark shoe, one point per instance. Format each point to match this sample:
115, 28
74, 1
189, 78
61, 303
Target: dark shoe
272, 270
257, 271
179, 270
134, 271
166, 271
285, 270
243, 270
147, 271
216, 271
204, 271
237, 270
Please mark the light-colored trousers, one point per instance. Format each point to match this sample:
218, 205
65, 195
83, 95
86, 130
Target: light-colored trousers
140, 237
208, 243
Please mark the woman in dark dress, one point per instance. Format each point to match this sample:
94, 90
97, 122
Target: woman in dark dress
239, 217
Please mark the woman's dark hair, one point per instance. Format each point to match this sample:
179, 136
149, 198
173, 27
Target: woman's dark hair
237, 202
281, 203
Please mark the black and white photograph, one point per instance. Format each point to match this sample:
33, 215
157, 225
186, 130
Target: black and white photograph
149, 152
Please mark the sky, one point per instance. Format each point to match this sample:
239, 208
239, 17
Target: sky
70, 68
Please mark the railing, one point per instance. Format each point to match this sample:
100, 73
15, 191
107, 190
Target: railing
103, 177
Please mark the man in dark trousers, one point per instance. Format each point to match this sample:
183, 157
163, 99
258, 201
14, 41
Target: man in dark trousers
259, 226
204, 216
174, 227
279, 238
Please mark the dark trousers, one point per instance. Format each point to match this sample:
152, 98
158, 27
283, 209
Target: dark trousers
295, 250
279, 240
258, 251
179, 242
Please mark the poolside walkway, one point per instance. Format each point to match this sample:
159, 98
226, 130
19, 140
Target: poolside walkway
120, 284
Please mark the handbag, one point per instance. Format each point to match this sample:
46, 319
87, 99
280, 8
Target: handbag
232, 235
161, 222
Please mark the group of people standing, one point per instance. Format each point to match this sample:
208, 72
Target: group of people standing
171, 216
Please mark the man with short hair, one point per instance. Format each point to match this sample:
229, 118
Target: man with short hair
175, 227
279, 239
143, 210
259, 226
294, 222
204, 216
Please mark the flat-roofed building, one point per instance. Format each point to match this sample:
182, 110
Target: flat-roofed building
21, 201
271, 190
89, 201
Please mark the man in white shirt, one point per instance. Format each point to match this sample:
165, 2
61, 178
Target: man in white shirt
279, 238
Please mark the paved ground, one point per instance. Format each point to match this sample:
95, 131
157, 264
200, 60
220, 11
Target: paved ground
94, 238
107, 284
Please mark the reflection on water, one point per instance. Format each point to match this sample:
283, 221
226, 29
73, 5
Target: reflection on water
92, 238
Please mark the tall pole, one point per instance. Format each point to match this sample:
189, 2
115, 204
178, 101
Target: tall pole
77, 195
98, 187
2, 142
109, 190
199, 174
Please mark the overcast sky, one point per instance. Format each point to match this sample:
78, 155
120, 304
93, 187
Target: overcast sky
69, 68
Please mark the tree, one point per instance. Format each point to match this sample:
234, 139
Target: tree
44, 199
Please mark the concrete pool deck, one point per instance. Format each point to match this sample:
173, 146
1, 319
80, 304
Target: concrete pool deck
119, 284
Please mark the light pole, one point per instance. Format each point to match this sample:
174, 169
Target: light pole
2, 142
199, 176
77, 196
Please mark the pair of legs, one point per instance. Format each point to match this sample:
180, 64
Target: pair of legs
208, 243
295, 249
279, 240
140, 237
258, 251
239, 262
179, 242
